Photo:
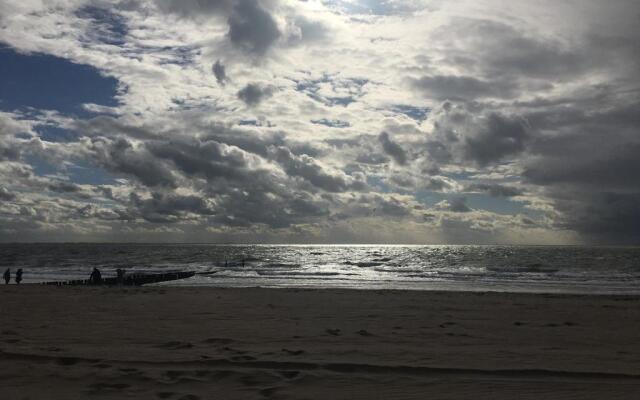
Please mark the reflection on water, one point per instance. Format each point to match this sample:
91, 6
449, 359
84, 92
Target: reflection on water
514, 268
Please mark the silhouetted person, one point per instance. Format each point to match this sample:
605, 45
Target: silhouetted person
19, 276
120, 275
7, 276
96, 277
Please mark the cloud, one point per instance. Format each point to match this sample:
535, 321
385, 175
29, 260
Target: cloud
252, 28
306, 167
219, 72
519, 108
252, 94
393, 149
5, 195
494, 189
480, 137
456, 205
499, 137
304, 30
120, 156
463, 88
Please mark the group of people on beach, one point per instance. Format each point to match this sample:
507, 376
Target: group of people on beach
7, 276
95, 278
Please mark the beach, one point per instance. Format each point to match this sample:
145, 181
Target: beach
162, 342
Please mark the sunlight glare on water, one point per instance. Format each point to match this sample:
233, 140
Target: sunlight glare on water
502, 268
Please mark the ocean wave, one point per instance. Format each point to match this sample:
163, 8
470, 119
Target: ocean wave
299, 273
531, 268
364, 264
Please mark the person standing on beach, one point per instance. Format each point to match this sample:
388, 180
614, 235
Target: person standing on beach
7, 276
120, 276
19, 276
96, 277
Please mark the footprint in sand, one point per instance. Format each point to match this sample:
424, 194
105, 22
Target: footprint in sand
293, 352
363, 332
189, 397
289, 374
268, 392
67, 361
243, 358
175, 345
334, 332
103, 387
218, 341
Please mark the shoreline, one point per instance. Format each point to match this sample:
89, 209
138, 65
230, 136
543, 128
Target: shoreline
152, 341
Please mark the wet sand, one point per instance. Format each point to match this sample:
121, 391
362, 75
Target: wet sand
208, 343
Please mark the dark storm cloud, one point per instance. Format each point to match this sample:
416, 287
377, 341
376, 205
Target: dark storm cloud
498, 61
500, 137
121, 157
162, 207
614, 169
252, 207
393, 149
219, 72
373, 205
463, 88
6, 195
503, 50
307, 168
252, 94
251, 27
587, 163
476, 137
208, 159
599, 217
239, 178
596, 189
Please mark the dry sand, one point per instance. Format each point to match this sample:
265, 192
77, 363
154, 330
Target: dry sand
207, 343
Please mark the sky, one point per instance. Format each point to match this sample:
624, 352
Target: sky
320, 121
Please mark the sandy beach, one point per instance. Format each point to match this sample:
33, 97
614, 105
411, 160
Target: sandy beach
209, 343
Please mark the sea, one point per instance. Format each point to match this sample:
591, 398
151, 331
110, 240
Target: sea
545, 269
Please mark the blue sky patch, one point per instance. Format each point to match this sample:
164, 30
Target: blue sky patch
47, 82
417, 113
55, 134
333, 123
105, 26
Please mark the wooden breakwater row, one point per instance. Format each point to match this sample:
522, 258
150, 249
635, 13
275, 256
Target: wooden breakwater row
137, 279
